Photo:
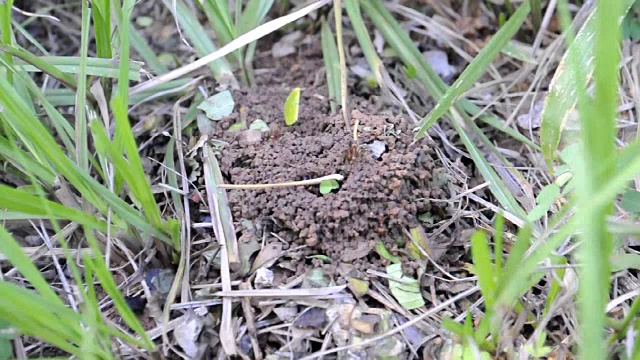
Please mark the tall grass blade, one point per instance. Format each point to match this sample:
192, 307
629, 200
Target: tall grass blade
6, 33
101, 11
330, 54
82, 143
598, 120
484, 269
562, 96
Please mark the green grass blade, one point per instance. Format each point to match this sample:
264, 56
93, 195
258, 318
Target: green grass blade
476, 68
21, 201
497, 242
254, 12
219, 17
405, 48
498, 188
26, 323
598, 120
101, 11
123, 134
139, 43
95, 67
24, 162
220, 68
133, 175
10, 248
82, 143
484, 269
330, 54
562, 96
6, 34
362, 34
33, 41
66, 79
397, 37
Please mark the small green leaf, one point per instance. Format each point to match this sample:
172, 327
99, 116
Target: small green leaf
327, 185
406, 291
410, 71
237, 126
358, 287
426, 218
631, 201
384, 253
291, 107
259, 125
218, 106
545, 200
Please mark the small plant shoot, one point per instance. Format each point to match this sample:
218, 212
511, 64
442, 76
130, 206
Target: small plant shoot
291, 107
326, 186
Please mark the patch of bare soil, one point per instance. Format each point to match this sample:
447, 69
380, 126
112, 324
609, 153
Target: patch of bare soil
379, 199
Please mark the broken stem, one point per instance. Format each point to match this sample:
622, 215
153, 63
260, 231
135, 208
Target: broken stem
315, 181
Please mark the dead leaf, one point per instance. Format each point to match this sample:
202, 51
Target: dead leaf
267, 256
264, 278
286, 314
352, 254
314, 318
247, 246
187, 334
440, 63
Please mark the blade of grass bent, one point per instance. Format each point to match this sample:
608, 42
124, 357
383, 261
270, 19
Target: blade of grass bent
66, 79
123, 133
476, 68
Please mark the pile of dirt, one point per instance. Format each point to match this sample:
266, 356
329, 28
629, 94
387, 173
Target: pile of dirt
378, 198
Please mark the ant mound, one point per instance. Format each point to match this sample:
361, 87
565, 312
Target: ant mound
389, 180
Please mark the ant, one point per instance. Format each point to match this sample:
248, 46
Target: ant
352, 153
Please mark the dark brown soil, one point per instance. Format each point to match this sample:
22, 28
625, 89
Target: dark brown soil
377, 199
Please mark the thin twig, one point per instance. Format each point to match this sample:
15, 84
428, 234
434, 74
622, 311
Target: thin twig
315, 181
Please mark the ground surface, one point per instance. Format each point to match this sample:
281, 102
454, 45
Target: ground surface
377, 199
297, 238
